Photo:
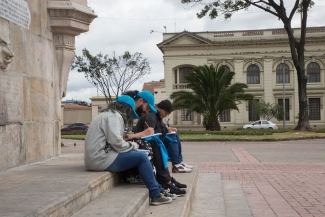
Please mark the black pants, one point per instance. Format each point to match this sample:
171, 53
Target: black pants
162, 174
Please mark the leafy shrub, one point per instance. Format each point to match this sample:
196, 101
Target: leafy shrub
75, 132
320, 131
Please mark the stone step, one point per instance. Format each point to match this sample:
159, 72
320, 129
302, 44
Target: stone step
54, 188
234, 198
128, 200
123, 200
181, 207
208, 198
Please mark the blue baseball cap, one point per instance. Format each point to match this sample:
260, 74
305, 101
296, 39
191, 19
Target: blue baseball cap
130, 101
147, 96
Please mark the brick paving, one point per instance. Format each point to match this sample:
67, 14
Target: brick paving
283, 179
280, 179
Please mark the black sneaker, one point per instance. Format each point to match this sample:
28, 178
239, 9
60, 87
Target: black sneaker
166, 193
161, 199
177, 184
175, 190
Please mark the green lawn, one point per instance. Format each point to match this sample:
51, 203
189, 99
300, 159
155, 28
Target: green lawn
197, 136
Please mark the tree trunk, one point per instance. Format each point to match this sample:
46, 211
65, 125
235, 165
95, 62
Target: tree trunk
213, 125
303, 122
298, 58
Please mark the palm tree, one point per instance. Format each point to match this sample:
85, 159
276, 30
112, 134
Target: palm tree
212, 93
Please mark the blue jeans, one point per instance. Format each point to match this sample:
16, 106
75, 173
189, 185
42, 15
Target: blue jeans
131, 159
174, 148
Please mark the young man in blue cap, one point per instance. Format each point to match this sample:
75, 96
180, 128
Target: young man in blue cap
155, 121
145, 103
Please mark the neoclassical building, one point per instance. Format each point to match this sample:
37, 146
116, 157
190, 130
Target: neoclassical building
261, 59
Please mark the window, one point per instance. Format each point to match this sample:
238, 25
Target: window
189, 117
314, 108
253, 74
227, 69
183, 71
313, 72
279, 73
175, 78
280, 102
225, 116
251, 115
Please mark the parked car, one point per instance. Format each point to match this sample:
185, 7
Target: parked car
75, 126
261, 124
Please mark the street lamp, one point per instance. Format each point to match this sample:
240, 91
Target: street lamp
283, 101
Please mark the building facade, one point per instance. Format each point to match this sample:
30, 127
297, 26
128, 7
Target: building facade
261, 59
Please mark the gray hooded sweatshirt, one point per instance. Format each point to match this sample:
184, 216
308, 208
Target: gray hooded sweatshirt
104, 140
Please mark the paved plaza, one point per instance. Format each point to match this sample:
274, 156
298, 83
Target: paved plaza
284, 179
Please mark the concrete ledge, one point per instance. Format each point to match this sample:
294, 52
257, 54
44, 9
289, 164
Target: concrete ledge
57, 187
208, 198
235, 201
180, 207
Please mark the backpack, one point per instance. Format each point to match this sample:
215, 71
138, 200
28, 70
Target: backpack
132, 175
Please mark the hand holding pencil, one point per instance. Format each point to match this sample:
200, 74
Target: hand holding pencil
148, 131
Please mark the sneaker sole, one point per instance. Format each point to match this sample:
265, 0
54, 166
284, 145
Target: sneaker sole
161, 203
177, 171
180, 195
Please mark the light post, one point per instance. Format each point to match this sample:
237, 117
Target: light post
283, 101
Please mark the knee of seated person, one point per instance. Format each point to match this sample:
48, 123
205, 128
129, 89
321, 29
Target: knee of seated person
144, 156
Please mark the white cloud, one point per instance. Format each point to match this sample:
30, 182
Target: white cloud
125, 25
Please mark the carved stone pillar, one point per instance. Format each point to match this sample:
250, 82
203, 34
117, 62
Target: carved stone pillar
179, 117
67, 20
195, 117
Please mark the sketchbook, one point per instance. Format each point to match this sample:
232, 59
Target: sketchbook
156, 134
173, 132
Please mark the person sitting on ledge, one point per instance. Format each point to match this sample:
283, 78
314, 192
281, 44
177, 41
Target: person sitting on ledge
169, 136
106, 149
146, 106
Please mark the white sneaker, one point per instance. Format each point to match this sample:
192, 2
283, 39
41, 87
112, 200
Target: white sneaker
179, 168
186, 165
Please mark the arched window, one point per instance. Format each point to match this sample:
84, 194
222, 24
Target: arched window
281, 69
253, 74
227, 69
183, 71
313, 72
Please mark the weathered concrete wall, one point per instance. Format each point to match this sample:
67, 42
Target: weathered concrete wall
32, 85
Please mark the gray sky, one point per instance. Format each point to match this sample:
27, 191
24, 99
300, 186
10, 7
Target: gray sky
125, 25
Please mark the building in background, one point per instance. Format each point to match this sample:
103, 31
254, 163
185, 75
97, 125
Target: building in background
259, 58
157, 88
73, 113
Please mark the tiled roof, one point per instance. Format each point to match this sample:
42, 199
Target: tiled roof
76, 106
150, 86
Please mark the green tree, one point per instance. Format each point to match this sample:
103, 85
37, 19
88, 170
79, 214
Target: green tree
84, 103
267, 110
210, 93
226, 8
111, 75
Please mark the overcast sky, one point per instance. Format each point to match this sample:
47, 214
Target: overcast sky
125, 25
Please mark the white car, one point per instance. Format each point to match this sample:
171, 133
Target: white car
261, 124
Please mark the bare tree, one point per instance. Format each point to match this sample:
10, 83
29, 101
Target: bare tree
112, 75
267, 110
226, 8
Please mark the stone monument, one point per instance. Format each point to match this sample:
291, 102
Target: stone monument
37, 43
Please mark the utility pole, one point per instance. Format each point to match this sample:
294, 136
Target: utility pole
283, 101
